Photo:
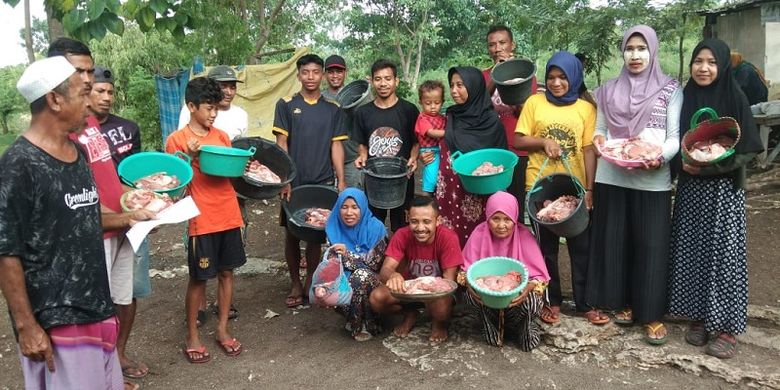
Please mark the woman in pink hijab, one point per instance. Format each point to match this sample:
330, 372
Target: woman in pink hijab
501, 235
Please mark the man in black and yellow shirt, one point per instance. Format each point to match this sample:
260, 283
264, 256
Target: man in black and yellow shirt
310, 128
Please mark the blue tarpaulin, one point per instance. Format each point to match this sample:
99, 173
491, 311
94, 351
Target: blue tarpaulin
170, 97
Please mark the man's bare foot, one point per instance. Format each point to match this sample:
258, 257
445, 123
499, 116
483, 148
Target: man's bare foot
406, 326
439, 332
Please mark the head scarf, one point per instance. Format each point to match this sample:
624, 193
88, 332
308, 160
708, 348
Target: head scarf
628, 100
572, 68
360, 238
520, 245
724, 96
474, 124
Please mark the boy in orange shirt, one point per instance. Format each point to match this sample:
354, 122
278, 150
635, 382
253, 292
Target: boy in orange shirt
214, 247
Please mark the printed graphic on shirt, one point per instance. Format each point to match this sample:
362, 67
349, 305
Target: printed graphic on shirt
96, 146
384, 142
424, 267
87, 197
564, 136
119, 138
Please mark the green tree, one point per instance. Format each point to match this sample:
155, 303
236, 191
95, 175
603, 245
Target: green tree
11, 101
40, 36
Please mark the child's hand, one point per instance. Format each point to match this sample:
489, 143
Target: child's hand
193, 147
427, 157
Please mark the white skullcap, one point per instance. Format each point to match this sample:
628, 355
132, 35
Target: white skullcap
42, 76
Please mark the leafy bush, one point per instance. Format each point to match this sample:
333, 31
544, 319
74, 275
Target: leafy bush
141, 107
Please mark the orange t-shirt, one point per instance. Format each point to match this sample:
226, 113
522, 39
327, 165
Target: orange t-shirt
214, 196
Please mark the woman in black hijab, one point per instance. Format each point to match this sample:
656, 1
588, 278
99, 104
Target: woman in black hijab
708, 276
472, 124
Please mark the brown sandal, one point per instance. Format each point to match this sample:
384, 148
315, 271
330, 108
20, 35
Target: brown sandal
723, 347
595, 317
550, 314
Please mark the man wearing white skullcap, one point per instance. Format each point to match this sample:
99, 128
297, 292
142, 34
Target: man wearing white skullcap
52, 270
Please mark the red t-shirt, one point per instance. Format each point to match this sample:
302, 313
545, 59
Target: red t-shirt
98, 154
427, 122
214, 196
425, 259
507, 114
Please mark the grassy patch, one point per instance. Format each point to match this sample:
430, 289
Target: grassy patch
6, 140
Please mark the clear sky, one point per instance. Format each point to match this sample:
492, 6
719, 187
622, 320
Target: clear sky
11, 21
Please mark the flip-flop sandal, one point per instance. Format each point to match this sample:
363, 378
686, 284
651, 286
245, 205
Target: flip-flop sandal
652, 330
231, 347
595, 317
232, 313
624, 317
550, 314
204, 356
133, 386
722, 347
292, 301
697, 335
134, 366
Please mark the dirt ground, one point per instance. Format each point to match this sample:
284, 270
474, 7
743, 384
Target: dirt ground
308, 347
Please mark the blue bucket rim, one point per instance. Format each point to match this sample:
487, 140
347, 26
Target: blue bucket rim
498, 294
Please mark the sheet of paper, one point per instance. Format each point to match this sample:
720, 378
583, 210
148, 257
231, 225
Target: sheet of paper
176, 213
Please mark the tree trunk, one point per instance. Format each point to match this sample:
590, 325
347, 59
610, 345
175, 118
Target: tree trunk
28, 44
4, 123
55, 27
680, 51
420, 42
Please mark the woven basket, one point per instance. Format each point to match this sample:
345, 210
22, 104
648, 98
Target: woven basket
708, 130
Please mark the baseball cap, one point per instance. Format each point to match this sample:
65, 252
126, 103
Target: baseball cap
42, 76
223, 73
104, 75
335, 61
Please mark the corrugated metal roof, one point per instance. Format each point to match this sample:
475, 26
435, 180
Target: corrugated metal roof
735, 7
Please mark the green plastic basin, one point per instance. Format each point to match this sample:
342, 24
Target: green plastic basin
464, 164
496, 266
144, 164
224, 161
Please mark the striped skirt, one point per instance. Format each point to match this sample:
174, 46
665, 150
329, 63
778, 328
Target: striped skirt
519, 322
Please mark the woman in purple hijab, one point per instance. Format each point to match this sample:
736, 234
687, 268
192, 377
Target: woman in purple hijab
629, 248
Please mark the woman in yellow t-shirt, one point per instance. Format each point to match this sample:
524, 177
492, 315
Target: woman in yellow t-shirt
557, 123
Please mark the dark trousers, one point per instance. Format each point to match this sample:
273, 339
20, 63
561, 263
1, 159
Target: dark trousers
517, 187
398, 214
578, 254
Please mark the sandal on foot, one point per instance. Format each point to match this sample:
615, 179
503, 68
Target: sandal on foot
550, 314
595, 317
624, 317
204, 356
651, 333
232, 313
292, 301
134, 370
362, 335
723, 347
697, 335
231, 347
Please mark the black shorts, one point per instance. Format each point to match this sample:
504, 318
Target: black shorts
210, 253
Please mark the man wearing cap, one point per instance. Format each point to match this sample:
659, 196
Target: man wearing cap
119, 254
231, 119
124, 139
52, 268
335, 74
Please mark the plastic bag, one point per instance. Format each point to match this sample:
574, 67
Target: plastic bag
330, 284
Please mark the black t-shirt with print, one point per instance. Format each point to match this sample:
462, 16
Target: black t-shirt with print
123, 137
50, 219
311, 128
387, 132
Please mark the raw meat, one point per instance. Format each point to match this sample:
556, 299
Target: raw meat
487, 168
316, 217
143, 199
427, 285
631, 150
157, 182
705, 151
506, 282
262, 173
514, 81
559, 209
